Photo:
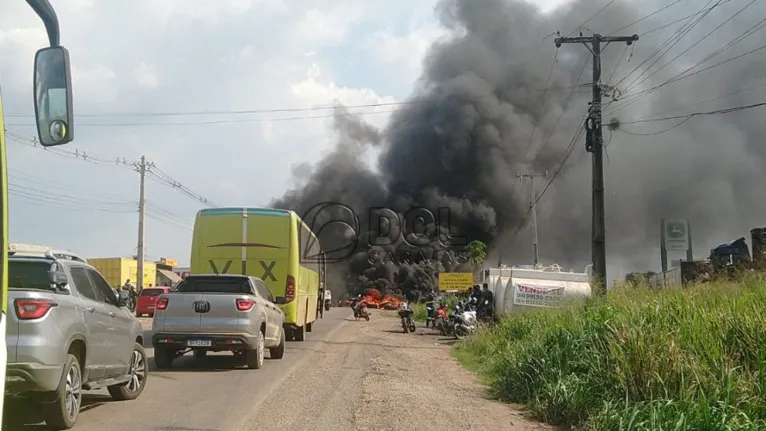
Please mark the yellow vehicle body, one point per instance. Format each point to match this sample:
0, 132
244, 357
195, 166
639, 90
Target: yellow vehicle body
118, 269
271, 244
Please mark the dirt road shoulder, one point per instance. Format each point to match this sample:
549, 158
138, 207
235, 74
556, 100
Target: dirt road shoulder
414, 383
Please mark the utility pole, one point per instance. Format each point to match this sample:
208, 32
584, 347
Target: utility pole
595, 144
533, 209
141, 226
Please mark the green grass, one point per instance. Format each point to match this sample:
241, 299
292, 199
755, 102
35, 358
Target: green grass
691, 359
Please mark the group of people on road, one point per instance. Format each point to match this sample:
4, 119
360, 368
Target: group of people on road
484, 300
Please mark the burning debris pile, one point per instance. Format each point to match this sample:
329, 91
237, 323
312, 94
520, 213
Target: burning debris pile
386, 301
487, 107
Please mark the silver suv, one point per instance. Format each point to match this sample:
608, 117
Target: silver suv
68, 332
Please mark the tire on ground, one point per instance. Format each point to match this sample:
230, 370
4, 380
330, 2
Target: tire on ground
254, 357
55, 413
279, 351
123, 392
163, 357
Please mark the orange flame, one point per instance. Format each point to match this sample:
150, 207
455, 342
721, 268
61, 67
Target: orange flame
374, 299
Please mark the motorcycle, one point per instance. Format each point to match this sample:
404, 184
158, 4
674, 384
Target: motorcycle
405, 313
442, 322
360, 311
130, 300
465, 322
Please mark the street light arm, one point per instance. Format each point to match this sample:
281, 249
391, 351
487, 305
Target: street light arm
47, 14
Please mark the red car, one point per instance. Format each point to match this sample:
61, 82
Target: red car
147, 298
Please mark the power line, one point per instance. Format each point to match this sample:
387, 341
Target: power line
664, 26
645, 17
609, 3
636, 96
561, 114
275, 110
542, 104
636, 84
696, 114
153, 172
567, 154
666, 46
733, 93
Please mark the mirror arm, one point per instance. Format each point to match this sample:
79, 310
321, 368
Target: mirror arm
47, 14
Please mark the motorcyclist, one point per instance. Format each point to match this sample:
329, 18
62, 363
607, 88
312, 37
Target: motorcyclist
430, 307
486, 306
130, 289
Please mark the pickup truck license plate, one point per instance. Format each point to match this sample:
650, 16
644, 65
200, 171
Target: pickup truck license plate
197, 342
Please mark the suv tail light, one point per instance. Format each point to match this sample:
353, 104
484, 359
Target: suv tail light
27, 309
161, 304
290, 288
244, 304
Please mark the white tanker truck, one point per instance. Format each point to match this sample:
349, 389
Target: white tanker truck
517, 288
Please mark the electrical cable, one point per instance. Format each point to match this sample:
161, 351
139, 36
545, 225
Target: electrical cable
593, 16
272, 110
561, 114
636, 84
668, 45
542, 104
645, 17
636, 96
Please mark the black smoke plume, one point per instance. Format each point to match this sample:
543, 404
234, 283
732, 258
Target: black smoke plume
476, 119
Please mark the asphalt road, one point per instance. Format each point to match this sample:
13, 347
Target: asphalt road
213, 395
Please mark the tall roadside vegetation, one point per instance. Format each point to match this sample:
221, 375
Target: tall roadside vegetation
639, 359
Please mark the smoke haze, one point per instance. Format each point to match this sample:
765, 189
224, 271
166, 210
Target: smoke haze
470, 129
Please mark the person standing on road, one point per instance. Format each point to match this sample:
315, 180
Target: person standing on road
487, 301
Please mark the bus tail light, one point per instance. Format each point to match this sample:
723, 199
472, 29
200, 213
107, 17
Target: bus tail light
290, 288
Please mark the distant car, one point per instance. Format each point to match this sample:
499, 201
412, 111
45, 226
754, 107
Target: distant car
69, 333
147, 299
217, 313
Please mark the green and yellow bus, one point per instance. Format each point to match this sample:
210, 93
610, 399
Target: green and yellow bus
271, 244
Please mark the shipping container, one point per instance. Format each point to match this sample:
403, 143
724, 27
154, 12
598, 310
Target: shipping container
118, 269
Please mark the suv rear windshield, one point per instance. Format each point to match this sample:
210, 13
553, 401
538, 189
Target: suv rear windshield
237, 285
29, 274
152, 292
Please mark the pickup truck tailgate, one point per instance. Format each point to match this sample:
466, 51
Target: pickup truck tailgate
32, 338
180, 315
222, 316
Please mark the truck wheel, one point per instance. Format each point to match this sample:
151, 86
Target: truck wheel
62, 413
310, 327
163, 358
327, 306
279, 351
300, 333
138, 374
254, 357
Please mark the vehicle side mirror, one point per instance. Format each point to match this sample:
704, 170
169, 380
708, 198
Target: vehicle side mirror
53, 96
280, 300
57, 278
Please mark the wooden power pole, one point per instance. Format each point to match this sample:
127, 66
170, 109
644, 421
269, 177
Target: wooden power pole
595, 145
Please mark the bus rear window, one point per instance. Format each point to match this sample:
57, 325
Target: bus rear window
152, 292
235, 285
